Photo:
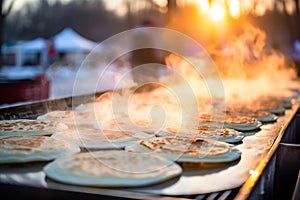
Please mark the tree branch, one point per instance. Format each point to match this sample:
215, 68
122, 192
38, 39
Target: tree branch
10, 6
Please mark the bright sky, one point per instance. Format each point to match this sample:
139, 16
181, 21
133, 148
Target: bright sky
236, 6
18, 4
116, 5
119, 6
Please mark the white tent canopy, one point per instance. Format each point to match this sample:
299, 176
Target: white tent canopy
35, 45
38, 45
68, 40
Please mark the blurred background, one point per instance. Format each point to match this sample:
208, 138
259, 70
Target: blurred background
45, 41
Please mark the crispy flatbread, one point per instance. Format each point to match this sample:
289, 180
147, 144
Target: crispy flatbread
284, 101
272, 106
188, 149
211, 132
260, 115
21, 149
221, 134
70, 117
112, 169
239, 123
30, 127
92, 138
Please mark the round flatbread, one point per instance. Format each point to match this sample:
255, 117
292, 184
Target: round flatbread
209, 132
30, 127
239, 123
70, 117
283, 101
112, 169
260, 115
21, 149
187, 149
221, 134
92, 138
275, 107
244, 127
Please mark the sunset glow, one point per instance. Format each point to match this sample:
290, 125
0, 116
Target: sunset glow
217, 11
204, 6
234, 8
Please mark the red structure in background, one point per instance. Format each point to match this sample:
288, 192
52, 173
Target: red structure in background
25, 90
52, 52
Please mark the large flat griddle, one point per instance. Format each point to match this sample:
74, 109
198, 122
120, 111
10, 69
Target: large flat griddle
223, 181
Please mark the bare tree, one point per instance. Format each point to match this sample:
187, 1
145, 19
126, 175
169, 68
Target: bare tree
3, 15
172, 5
297, 6
297, 18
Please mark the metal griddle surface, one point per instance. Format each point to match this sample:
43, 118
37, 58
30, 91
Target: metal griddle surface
194, 180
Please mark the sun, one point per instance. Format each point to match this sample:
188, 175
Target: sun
217, 11
234, 8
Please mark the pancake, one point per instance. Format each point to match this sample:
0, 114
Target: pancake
69, 117
239, 123
112, 168
221, 134
187, 149
92, 138
21, 149
30, 127
274, 107
210, 132
260, 115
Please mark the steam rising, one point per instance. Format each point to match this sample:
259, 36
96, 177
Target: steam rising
248, 67
240, 69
